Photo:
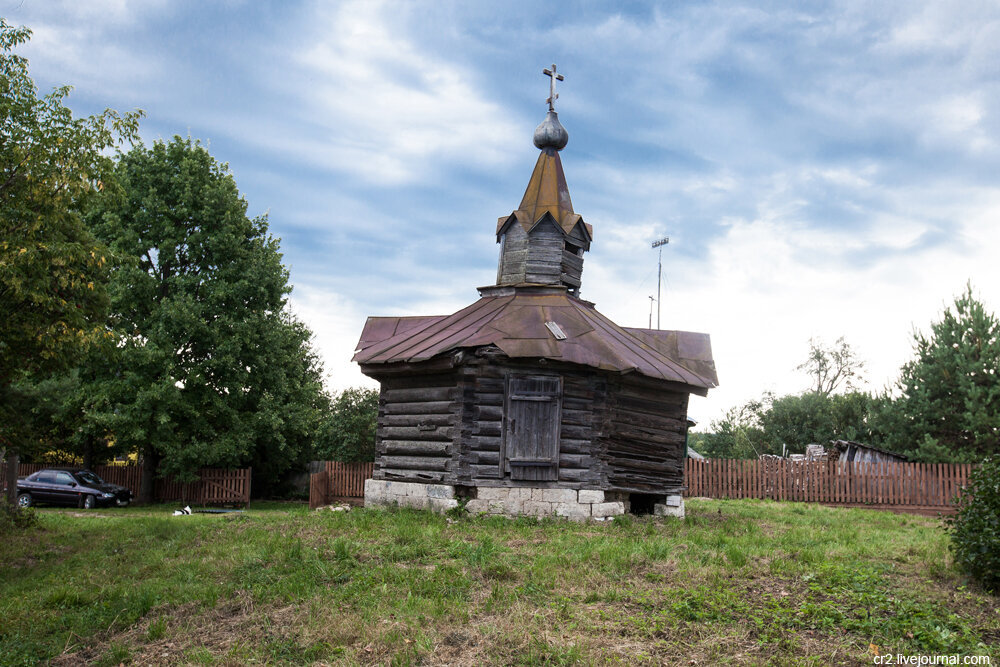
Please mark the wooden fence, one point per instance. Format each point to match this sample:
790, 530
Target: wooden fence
338, 480
214, 486
927, 488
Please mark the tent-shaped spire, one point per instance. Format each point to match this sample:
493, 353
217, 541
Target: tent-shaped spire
543, 241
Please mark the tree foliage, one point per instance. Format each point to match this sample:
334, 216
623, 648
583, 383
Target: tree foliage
212, 370
350, 431
975, 530
948, 409
832, 367
53, 302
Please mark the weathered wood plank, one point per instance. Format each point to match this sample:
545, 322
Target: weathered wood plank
410, 448
415, 462
424, 432
423, 408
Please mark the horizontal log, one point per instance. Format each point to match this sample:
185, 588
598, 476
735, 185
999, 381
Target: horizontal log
420, 381
575, 446
577, 417
574, 460
485, 458
423, 408
484, 443
419, 394
418, 420
665, 438
487, 428
488, 413
424, 476
424, 432
579, 475
484, 471
415, 448
415, 462
478, 398
571, 431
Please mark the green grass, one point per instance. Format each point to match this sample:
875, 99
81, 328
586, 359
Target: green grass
737, 582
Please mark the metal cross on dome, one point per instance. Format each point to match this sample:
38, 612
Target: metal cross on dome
553, 75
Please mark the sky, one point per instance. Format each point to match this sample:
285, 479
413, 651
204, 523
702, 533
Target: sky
822, 170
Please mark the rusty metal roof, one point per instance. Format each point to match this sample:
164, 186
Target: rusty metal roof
514, 321
547, 193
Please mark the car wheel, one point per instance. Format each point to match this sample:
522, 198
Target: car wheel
88, 502
122, 503
25, 500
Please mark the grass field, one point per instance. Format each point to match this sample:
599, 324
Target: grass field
737, 582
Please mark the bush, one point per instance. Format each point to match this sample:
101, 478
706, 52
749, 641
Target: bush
975, 530
14, 518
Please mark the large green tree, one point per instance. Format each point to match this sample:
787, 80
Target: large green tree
349, 433
52, 272
214, 371
948, 408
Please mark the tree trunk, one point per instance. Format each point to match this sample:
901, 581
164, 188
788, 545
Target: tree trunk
150, 460
13, 460
88, 455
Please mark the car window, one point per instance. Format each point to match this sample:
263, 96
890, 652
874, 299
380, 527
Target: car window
33, 477
88, 477
46, 477
64, 478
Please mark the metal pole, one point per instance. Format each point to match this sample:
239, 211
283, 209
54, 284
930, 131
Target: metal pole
651, 299
659, 279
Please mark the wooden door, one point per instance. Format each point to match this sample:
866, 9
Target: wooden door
531, 427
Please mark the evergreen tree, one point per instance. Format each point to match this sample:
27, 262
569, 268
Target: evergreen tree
949, 404
213, 371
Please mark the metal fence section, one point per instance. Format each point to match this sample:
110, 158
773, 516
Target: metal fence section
926, 488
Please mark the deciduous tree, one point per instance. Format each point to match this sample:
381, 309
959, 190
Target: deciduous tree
214, 371
52, 272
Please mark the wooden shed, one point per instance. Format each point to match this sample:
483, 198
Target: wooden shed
529, 400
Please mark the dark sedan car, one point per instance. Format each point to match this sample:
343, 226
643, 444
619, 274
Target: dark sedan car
78, 488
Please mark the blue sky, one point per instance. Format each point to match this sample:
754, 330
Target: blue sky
823, 170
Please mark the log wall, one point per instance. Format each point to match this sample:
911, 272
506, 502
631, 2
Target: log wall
646, 431
418, 427
483, 391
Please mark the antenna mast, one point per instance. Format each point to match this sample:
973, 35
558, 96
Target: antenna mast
659, 278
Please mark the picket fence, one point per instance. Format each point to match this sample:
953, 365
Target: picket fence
338, 480
924, 488
214, 486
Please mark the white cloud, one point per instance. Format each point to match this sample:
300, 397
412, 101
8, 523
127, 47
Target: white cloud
336, 323
384, 108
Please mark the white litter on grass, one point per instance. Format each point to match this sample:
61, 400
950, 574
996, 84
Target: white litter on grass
335, 508
186, 510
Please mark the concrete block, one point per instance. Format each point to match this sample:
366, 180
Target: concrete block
416, 490
440, 491
492, 493
537, 508
590, 496
616, 508
412, 502
520, 493
674, 501
555, 495
574, 511
660, 509
513, 507
441, 505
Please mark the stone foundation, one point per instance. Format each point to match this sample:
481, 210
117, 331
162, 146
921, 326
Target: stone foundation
434, 497
582, 505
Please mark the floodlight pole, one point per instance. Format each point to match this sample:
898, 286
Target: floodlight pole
651, 300
659, 280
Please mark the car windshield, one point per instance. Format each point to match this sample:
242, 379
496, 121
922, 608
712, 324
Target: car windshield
89, 477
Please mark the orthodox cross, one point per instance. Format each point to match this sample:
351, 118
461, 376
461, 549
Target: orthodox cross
553, 75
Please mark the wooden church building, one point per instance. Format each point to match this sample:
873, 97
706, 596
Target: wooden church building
530, 401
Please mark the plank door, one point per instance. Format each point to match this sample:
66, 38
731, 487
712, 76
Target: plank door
531, 427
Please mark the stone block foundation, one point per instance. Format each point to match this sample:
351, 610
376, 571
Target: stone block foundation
582, 505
